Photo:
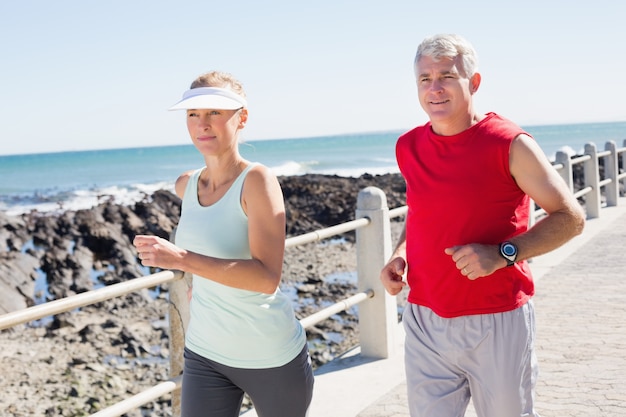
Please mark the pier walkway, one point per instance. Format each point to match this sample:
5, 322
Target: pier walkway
580, 307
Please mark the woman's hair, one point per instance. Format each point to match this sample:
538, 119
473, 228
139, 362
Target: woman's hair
219, 79
449, 46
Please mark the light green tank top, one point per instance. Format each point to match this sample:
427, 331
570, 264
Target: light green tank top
237, 328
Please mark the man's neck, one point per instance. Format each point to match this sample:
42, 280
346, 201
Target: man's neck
454, 127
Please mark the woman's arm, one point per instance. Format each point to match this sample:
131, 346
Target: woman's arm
262, 200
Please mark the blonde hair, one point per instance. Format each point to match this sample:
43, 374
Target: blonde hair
219, 79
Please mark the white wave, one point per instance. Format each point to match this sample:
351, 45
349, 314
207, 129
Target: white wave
27, 208
391, 161
286, 169
86, 199
357, 172
568, 150
294, 168
313, 167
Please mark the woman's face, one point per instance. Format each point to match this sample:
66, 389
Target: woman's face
215, 131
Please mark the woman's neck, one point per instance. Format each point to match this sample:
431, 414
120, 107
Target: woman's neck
219, 172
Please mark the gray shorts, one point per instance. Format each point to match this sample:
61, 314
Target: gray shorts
488, 357
210, 389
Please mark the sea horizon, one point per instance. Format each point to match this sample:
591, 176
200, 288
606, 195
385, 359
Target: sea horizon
529, 128
64, 180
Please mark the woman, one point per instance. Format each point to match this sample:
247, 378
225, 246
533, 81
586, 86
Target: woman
243, 335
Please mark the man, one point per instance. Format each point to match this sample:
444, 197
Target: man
469, 320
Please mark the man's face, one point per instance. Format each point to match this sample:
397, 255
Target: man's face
445, 92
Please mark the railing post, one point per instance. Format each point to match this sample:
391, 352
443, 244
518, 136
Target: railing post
592, 179
622, 159
178, 320
611, 171
378, 317
567, 173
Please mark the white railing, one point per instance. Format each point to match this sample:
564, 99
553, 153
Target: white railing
62, 305
377, 312
612, 157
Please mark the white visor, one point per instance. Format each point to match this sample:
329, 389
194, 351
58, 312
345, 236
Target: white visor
210, 98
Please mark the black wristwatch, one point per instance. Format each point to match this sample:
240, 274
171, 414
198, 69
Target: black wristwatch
509, 252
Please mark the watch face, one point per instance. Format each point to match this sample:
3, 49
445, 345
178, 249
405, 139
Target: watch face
508, 249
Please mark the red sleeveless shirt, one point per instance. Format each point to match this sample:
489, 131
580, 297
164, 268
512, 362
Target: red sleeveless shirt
460, 191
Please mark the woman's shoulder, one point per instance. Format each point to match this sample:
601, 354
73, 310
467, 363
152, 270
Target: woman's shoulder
260, 178
258, 169
181, 182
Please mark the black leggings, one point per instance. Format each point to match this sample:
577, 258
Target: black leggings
210, 389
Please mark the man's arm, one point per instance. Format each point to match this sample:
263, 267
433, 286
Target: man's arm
392, 272
536, 177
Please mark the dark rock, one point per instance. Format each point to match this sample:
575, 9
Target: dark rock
317, 201
13, 233
17, 281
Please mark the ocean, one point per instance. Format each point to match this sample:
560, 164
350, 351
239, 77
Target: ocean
76, 180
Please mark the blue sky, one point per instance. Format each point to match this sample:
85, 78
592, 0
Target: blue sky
79, 75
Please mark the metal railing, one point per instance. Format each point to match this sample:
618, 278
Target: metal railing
378, 316
63, 305
595, 187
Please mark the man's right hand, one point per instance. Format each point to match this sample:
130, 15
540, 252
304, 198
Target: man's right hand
391, 275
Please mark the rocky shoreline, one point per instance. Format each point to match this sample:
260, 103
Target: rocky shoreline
77, 363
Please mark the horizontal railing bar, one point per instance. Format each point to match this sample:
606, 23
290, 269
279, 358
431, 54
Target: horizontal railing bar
601, 154
605, 182
90, 297
580, 159
327, 232
338, 229
583, 191
140, 399
398, 211
339, 306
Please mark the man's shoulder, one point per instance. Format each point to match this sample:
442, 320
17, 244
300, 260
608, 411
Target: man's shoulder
416, 131
499, 126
